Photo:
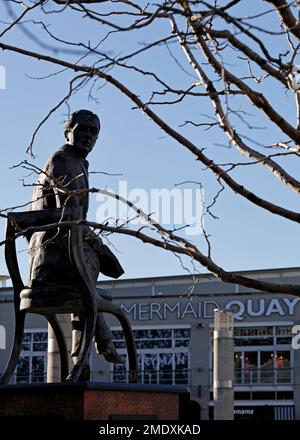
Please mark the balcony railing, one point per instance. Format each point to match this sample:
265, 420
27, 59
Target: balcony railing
170, 377
29, 378
261, 376
264, 376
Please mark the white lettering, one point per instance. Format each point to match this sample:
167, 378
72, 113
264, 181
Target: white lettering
196, 429
291, 304
172, 309
123, 207
139, 198
172, 207
240, 309
189, 309
107, 211
161, 198
296, 338
207, 305
243, 411
260, 311
199, 309
116, 430
142, 311
129, 310
181, 310
155, 309
195, 220
274, 307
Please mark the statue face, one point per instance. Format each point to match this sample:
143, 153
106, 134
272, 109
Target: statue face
83, 135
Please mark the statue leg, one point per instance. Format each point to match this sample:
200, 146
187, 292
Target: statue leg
78, 321
103, 341
103, 335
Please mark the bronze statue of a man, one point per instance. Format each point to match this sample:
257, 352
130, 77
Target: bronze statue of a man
67, 171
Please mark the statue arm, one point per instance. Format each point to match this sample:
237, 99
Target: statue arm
93, 238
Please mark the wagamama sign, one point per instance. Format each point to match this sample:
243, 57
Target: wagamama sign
147, 311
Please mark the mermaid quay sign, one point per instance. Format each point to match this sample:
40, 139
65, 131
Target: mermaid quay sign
147, 311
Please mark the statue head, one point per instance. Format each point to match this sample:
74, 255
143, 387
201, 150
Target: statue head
82, 130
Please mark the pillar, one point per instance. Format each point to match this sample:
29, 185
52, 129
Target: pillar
223, 368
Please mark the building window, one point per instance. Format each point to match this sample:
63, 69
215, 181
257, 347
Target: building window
163, 356
283, 366
265, 363
253, 336
263, 355
32, 364
283, 335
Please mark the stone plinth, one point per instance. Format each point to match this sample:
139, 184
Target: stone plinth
94, 401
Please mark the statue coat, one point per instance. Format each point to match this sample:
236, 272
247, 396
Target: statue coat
48, 251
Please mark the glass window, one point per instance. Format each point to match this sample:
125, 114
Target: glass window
119, 340
283, 335
119, 372
38, 368
253, 336
181, 368
253, 332
267, 372
158, 343
250, 367
150, 368
145, 339
23, 370
250, 359
163, 355
182, 333
182, 343
166, 368
120, 344
283, 359
40, 341
238, 374
26, 343
283, 363
267, 359
285, 395
283, 331
238, 360
264, 365
32, 364
263, 395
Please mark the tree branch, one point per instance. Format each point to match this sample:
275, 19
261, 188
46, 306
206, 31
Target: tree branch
236, 187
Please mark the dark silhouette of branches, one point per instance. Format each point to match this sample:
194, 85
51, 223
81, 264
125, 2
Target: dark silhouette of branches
227, 61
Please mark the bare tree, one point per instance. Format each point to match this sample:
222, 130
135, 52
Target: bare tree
214, 55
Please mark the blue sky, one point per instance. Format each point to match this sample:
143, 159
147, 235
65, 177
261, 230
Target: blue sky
244, 237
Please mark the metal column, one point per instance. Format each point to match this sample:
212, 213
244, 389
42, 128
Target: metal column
223, 368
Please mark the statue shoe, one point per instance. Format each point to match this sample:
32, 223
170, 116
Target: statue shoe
85, 375
108, 350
